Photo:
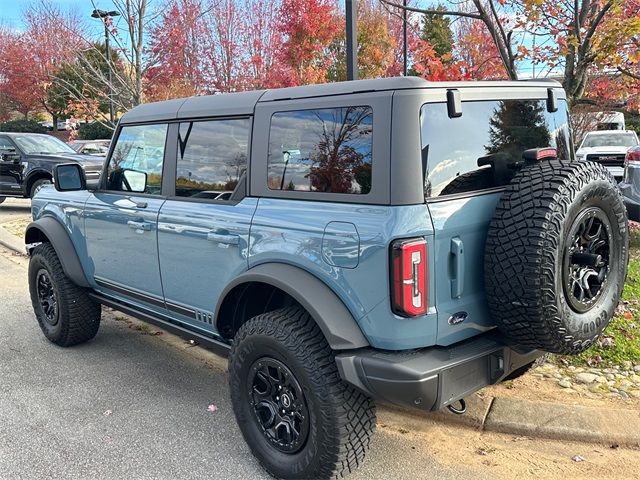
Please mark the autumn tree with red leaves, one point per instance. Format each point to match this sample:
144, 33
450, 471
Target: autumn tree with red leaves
476, 49
176, 50
586, 35
308, 28
19, 87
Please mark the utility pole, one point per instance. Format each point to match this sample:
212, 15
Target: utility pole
352, 39
103, 14
404, 37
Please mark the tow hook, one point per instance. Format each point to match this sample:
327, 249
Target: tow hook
458, 411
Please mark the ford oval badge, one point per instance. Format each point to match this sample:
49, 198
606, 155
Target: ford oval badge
457, 318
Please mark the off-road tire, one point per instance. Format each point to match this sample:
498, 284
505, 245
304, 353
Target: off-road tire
342, 419
77, 319
526, 250
37, 185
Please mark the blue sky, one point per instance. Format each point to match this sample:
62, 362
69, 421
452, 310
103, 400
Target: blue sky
11, 11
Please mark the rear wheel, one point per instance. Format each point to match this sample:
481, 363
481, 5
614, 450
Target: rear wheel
295, 413
66, 314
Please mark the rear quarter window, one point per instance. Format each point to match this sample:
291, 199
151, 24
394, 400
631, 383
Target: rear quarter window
321, 150
457, 150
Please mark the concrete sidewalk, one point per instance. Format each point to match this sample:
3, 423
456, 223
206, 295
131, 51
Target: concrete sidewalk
10, 241
509, 415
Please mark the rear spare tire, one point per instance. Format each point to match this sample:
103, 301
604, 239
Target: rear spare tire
556, 255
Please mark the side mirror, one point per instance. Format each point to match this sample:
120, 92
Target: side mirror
10, 157
69, 177
135, 181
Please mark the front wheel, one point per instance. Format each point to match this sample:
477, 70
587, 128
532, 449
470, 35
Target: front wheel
295, 413
65, 312
37, 185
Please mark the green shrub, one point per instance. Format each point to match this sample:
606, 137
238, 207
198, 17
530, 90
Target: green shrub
23, 126
94, 131
633, 123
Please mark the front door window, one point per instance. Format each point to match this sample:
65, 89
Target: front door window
139, 150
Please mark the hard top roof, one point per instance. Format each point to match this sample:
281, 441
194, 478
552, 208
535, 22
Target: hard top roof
243, 103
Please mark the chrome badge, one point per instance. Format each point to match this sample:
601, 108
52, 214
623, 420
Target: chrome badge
457, 318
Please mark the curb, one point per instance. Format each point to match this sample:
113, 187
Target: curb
613, 426
533, 419
12, 242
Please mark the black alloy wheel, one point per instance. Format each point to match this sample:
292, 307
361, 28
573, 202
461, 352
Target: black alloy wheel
47, 297
279, 404
586, 259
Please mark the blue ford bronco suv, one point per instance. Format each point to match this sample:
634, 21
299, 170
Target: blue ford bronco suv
388, 240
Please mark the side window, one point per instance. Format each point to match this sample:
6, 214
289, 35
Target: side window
474, 152
136, 161
6, 145
212, 156
323, 150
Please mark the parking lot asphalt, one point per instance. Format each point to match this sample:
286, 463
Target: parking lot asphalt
127, 405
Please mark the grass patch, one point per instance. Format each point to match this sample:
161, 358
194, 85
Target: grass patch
621, 340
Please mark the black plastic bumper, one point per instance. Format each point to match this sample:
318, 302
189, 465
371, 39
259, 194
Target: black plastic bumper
633, 210
432, 378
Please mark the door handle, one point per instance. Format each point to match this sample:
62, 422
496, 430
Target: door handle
139, 225
457, 283
222, 238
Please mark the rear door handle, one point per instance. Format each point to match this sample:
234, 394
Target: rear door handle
457, 283
145, 226
222, 238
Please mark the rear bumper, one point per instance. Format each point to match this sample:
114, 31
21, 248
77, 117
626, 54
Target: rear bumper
432, 378
631, 200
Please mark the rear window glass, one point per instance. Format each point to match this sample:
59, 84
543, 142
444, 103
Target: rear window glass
458, 151
321, 150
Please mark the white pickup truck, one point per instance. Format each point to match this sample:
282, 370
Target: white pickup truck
609, 148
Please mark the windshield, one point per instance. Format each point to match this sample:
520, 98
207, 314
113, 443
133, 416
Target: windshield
610, 140
42, 144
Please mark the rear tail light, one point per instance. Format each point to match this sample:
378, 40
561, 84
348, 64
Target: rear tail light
537, 154
409, 277
632, 157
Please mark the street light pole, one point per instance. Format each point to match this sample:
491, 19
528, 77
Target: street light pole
103, 14
352, 39
404, 36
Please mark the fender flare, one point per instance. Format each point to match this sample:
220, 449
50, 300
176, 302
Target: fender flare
61, 243
36, 172
334, 319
